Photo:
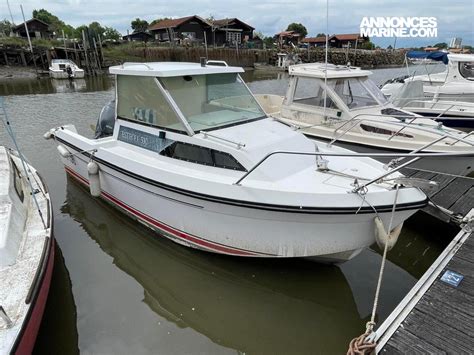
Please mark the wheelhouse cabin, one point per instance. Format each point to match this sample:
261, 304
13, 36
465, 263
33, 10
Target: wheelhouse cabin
348, 90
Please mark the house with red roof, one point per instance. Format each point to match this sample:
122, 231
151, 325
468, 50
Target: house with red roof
189, 28
345, 40
228, 31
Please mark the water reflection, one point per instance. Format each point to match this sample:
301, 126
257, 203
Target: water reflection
256, 306
60, 316
46, 85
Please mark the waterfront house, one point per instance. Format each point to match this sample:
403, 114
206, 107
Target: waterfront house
231, 31
315, 41
138, 36
183, 29
288, 37
345, 40
36, 29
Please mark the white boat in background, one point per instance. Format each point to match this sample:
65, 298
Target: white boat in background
452, 113
357, 116
26, 253
449, 94
65, 69
192, 155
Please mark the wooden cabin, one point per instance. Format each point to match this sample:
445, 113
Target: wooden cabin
231, 31
345, 40
36, 29
185, 29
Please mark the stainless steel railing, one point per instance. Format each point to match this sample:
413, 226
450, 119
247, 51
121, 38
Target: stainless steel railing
416, 155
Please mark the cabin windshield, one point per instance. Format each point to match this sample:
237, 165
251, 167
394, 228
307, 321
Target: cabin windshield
213, 100
358, 92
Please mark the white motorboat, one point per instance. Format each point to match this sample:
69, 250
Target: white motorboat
26, 253
357, 116
449, 94
452, 113
191, 154
65, 69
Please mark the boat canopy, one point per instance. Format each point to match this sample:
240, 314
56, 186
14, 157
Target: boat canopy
318, 70
437, 56
170, 69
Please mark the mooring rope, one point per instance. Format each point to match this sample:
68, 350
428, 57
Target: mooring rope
363, 344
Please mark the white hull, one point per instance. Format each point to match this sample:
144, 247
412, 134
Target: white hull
59, 74
234, 230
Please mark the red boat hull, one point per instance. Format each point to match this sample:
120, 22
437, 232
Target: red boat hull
29, 332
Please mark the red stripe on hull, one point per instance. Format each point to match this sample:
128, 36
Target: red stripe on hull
28, 338
164, 227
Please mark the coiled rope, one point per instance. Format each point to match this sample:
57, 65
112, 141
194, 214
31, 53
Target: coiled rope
365, 343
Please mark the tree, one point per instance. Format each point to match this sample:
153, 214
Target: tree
269, 42
5, 27
297, 27
139, 25
55, 24
441, 45
96, 30
112, 33
78, 31
366, 45
321, 35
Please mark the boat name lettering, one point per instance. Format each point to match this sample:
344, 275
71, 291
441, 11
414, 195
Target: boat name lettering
143, 139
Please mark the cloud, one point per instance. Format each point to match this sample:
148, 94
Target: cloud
267, 16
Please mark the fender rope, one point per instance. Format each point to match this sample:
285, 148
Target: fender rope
364, 344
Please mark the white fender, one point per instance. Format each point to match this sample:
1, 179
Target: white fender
63, 151
382, 237
94, 178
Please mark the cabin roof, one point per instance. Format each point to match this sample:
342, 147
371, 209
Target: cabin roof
168, 69
175, 22
317, 70
461, 57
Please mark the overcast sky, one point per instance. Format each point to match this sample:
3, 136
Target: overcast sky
455, 18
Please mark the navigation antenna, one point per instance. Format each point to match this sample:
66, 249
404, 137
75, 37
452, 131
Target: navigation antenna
326, 60
9, 130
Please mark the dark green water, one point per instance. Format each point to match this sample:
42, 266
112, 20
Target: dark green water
119, 289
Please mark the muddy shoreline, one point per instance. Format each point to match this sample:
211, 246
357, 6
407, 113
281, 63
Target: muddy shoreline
8, 72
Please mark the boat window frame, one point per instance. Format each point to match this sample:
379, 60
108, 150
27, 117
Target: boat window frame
329, 111
168, 100
461, 70
358, 78
230, 124
211, 154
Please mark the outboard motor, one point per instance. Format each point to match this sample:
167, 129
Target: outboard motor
106, 121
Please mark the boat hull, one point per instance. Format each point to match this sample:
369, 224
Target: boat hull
236, 230
449, 119
64, 75
27, 337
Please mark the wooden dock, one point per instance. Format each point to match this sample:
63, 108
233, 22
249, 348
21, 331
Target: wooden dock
437, 316
454, 194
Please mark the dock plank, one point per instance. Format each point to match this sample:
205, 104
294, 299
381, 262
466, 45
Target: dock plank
442, 321
452, 192
464, 204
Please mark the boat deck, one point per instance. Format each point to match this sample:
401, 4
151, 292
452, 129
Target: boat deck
437, 315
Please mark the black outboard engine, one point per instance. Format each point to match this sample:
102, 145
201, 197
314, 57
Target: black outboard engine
106, 121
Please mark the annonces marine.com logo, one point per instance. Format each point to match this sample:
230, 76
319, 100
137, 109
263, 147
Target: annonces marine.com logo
399, 27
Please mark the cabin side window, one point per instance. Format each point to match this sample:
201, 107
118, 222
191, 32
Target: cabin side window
310, 92
467, 70
17, 182
202, 155
141, 100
